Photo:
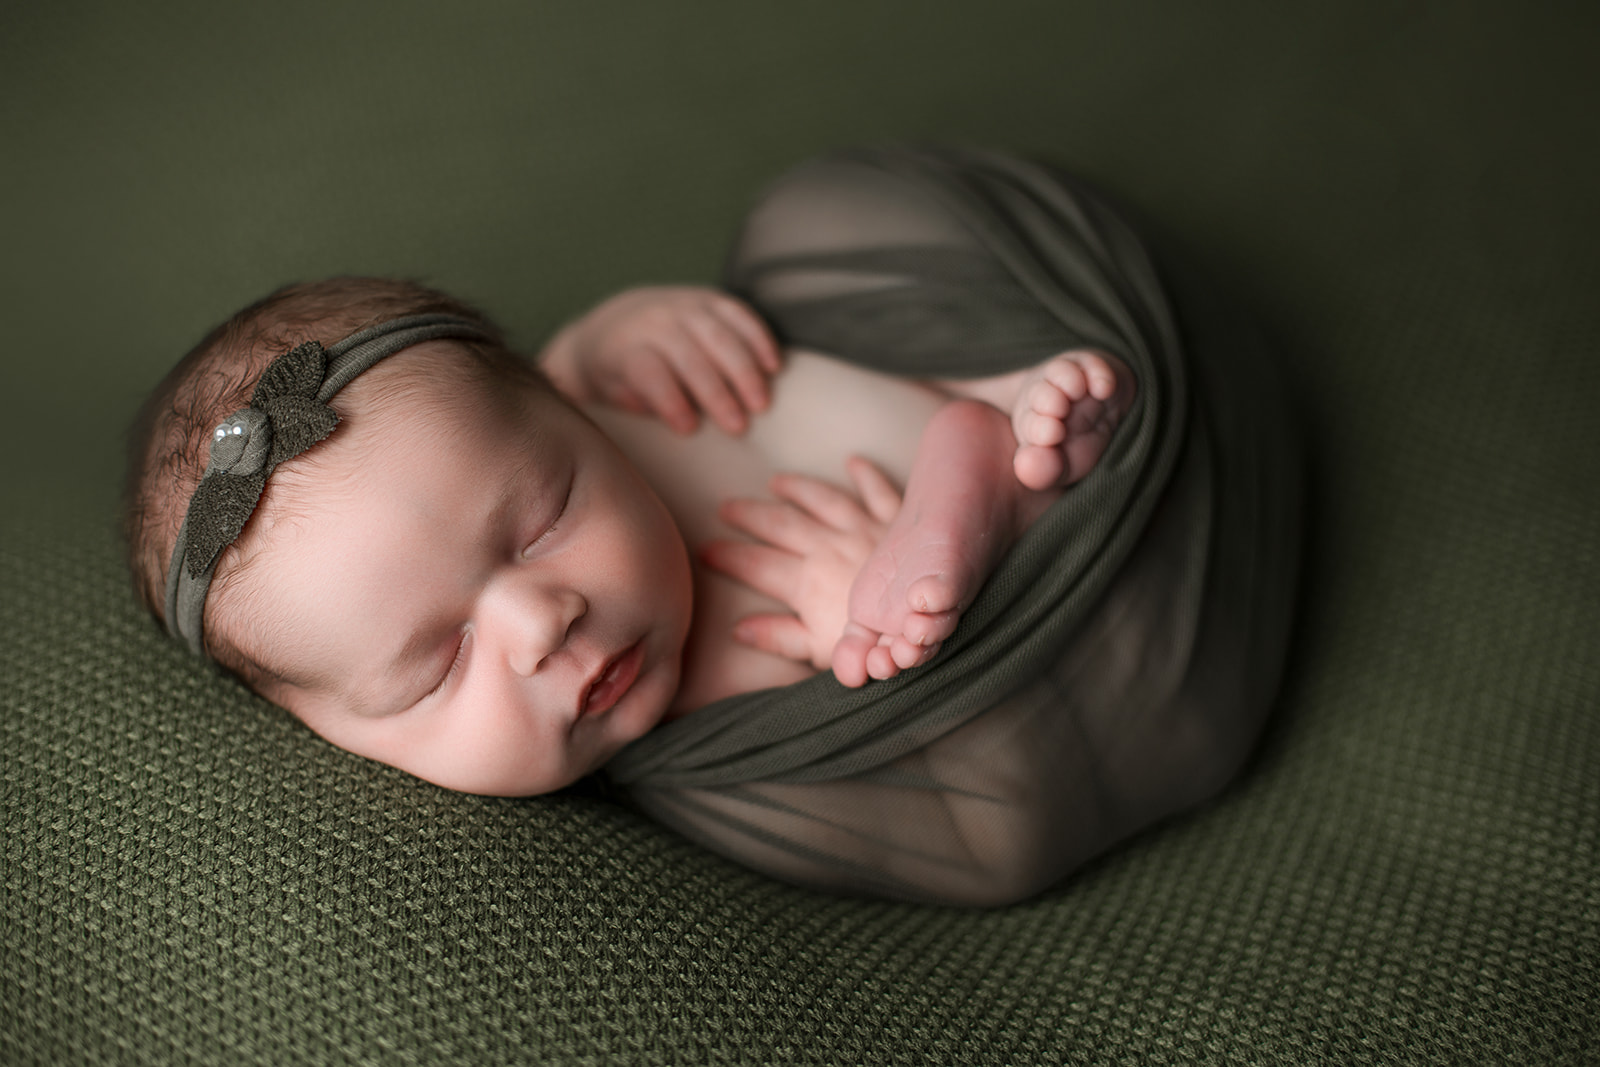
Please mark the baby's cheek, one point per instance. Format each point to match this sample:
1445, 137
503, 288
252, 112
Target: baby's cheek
487, 746
663, 564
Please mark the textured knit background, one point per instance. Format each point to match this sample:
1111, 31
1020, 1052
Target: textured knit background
1407, 872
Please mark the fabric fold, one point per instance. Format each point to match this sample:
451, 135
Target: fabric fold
1112, 670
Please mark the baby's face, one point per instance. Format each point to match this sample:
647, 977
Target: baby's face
482, 592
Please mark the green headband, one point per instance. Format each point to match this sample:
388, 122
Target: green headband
288, 413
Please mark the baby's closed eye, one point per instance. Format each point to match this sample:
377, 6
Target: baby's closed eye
457, 661
554, 523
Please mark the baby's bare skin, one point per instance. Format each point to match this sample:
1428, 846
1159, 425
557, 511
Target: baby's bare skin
980, 460
948, 443
962, 512
822, 412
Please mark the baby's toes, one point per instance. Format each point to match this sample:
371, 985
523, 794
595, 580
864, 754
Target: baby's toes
881, 664
907, 655
1036, 428
850, 655
934, 594
925, 629
1102, 379
1069, 374
1040, 415
1039, 468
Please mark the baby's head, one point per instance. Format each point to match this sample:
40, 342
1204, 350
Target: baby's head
465, 579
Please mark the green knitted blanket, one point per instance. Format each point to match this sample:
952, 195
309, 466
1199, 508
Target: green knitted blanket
1406, 871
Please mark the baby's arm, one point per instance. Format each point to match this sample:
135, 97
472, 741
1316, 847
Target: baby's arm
668, 350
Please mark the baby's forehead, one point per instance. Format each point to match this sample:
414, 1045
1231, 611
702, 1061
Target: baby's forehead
419, 417
433, 388
431, 373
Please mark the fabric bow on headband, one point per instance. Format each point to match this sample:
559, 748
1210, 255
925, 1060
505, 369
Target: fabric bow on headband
283, 420
288, 413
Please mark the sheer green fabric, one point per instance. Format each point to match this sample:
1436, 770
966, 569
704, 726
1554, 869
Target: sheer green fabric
1118, 665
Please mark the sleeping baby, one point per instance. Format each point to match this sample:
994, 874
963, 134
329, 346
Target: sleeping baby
494, 574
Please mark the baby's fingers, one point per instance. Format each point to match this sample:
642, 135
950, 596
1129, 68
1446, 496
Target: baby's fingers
742, 320
828, 503
775, 523
733, 357
701, 375
766, 570
658, 387
782, 635
878, 493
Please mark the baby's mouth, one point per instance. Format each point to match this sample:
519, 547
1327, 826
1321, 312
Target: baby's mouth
613, 681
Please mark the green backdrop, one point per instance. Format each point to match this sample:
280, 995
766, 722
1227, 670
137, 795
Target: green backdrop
1407, 871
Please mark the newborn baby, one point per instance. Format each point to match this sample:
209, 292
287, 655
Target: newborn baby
495, 578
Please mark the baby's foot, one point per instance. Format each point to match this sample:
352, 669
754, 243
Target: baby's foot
962, 511
1064, 414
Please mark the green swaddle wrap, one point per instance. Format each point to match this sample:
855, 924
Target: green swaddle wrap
1117, 666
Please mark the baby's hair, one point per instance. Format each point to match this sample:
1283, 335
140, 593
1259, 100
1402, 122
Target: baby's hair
169, 441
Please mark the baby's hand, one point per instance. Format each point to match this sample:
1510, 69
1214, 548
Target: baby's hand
811, 544
672, 351
1064, 414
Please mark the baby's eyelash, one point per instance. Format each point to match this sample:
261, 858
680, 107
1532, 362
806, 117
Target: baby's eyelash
560, 512
537, 541
455, 665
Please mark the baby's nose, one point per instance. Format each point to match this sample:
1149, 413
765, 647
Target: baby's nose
537, 625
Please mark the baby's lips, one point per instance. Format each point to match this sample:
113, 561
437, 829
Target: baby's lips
615, 677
